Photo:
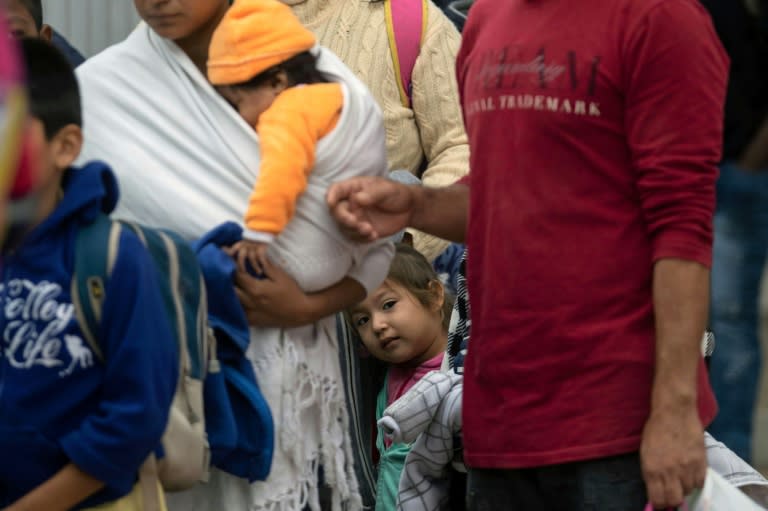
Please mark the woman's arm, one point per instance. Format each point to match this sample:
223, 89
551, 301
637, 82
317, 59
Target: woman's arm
278, 301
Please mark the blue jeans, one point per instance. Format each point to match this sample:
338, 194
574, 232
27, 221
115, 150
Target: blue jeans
741, 243
606, 484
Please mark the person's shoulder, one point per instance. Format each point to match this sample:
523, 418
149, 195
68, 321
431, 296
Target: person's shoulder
436, 16
101, 65
667, 28
109, 59
669, 11
438, 24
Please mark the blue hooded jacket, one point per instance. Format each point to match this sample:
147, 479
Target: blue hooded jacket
237, 417
59, 403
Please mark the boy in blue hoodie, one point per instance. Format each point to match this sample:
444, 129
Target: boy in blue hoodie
74, 430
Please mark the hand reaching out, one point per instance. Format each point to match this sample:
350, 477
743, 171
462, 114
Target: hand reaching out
370, 208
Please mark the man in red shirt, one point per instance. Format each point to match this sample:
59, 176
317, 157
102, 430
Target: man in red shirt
595, 130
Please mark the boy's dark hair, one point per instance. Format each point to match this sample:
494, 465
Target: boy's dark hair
54, 96
299, 69
35, 9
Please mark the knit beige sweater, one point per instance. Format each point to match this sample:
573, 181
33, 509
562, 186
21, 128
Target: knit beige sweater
356, 31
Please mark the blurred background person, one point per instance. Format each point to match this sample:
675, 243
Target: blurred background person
25, 19
741, 221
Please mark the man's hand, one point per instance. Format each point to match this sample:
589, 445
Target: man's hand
672, 451
673, 456
370, 208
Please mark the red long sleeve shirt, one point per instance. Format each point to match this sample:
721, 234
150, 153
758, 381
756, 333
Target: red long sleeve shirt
595, 129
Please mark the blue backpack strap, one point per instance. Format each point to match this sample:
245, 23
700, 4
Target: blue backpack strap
192, 295
182, 290
96, 247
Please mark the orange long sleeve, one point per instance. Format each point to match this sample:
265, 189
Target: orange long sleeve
288, 133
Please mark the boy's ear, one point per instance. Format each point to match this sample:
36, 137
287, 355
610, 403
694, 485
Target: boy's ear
66, 146
46, 33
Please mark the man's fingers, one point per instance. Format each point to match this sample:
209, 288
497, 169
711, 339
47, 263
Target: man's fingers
664, 491
352, 195
337, 192
342, 191
699, 477
365, 198
673, 491
688, 481
352, 223
344, 214
655, 489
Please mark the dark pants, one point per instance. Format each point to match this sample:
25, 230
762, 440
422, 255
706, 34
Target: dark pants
607, 484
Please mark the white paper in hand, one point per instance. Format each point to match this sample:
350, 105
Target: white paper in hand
720, 495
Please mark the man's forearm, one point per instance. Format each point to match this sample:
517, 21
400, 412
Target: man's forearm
680, 302
442, 212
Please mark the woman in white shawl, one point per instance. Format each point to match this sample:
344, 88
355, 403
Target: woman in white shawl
186, 161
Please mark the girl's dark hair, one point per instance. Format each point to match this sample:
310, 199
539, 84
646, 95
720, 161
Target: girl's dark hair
412, 271
301, 68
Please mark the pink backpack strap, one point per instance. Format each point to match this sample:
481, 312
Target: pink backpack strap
406, 24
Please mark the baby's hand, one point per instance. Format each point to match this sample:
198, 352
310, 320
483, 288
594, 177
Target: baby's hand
250, 252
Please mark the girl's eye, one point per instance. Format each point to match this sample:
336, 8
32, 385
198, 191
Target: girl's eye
388, 304
362, 320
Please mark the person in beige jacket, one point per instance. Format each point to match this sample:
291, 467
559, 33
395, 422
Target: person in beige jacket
432, 131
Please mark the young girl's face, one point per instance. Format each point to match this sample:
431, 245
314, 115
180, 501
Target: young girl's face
398, 329
250, 103
179, 19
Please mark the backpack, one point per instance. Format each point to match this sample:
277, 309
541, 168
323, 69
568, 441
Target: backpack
184, 442
406, 25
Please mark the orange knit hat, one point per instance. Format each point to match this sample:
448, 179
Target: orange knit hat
253, 36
